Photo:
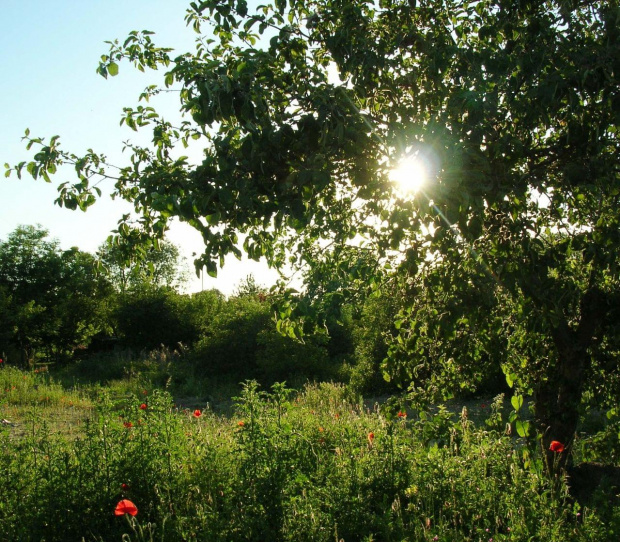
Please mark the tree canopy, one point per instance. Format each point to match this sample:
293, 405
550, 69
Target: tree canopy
159, 265
303, 107
50, 299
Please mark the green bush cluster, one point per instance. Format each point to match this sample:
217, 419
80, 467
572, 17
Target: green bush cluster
121, 312
234, 337
287, 466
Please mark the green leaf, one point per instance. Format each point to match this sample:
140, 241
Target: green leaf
523, 428
211, 269
517, 402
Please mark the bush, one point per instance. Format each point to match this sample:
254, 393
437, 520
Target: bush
153, 317
369, 337
281, 358
229, 343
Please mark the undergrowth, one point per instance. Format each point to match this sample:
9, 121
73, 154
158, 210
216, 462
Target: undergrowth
287, 466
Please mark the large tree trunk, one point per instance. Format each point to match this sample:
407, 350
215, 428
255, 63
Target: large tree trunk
557, 399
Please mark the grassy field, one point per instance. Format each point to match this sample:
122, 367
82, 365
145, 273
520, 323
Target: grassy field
310, 464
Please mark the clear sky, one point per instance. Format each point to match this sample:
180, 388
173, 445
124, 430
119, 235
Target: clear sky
49, 52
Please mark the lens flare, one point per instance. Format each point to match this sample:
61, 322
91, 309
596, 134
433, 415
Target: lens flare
410, 174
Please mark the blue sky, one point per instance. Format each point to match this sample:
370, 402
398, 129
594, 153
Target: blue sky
49, 52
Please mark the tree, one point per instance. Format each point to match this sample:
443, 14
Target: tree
513, 104
158, 266
50, 297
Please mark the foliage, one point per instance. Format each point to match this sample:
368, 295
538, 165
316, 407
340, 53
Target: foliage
286, 467
150, 317
52, 300
229, 342
280, 358
521, 144
370, 337
159, 266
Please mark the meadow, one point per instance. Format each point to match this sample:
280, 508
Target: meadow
311, 464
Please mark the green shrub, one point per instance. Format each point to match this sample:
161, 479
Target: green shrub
281, 358
370, 330
149, 318
229, 343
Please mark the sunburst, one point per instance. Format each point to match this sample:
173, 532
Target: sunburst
410, 174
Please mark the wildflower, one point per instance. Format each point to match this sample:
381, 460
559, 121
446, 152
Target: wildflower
556, 446
402, 414
143, 406
483, 405
321, 429
124, 487
145, 392
197, 413
371, 437
1, 360
240, 423
337, 416
128, 424
125, 507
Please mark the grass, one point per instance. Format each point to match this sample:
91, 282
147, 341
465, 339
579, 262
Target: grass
283, 465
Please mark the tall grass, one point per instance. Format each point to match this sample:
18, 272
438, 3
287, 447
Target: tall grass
287, 466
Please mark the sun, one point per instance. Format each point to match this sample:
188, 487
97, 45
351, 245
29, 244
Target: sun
409, 175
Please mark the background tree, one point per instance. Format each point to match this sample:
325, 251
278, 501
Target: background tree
159, 265
51, 298
514, 106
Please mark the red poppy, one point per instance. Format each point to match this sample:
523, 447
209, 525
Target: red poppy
124, 487
197, 413
1, 360
240, 424
556, 446
145, 392
402, 414
125, 507
143, 406
371, 437
128, 424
